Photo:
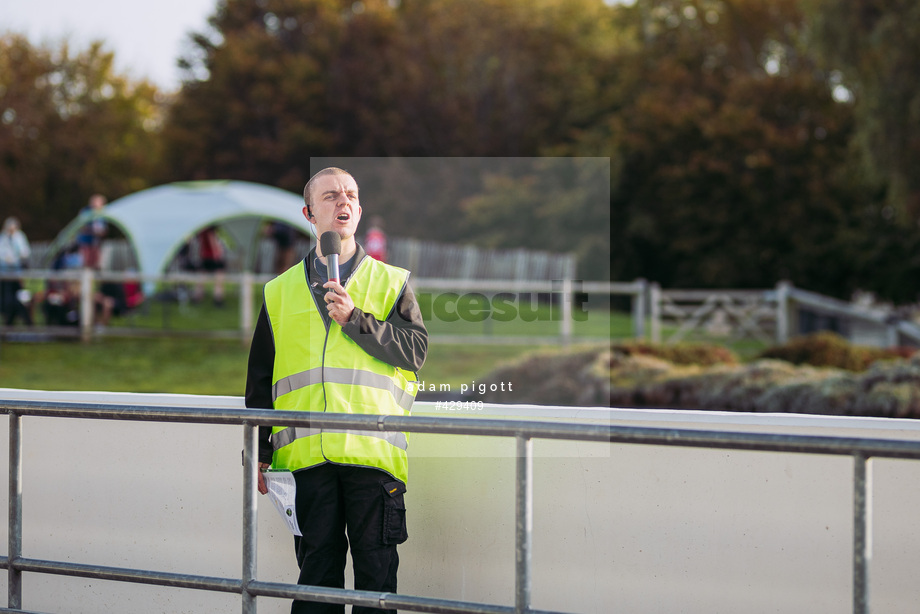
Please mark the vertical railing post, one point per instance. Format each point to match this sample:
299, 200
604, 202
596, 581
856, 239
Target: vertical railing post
246, 283
655, 307
862, 532
639, 309
523, 523
568, 297
87, 304
250, 515
14, 586
782, 312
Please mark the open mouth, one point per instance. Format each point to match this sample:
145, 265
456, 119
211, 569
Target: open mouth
343, 217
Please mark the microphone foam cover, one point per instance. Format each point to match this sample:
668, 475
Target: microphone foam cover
330, 243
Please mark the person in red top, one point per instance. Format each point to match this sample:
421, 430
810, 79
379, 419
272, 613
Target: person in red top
211, 254
375, 242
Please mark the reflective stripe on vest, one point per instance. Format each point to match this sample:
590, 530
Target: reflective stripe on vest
343, 376
290, 434
324, 370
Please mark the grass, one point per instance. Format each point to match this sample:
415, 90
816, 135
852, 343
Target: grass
175, 364
200, 365
192, 366
514, 315
197, 365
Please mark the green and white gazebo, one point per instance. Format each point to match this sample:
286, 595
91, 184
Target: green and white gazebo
158, 221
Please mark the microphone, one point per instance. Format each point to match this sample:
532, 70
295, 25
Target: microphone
330, 243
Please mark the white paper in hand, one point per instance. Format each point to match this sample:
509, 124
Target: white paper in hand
281, 490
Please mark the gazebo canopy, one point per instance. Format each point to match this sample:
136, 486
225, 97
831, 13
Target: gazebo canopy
159, 221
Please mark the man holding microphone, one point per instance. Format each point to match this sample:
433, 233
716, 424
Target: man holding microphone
347, 345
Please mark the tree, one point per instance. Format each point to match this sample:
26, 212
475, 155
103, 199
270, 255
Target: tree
871, 53
727, 149
260, 97
279, 81
553, 204
70, 126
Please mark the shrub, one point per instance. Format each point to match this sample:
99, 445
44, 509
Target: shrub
702, 354
827, 349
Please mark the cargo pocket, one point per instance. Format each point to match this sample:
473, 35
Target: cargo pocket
394, 513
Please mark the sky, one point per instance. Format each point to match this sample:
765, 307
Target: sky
146, 35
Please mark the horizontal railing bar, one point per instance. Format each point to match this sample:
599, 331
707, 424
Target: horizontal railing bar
137, 576
764, 442
509, 339
378, 600
487, 285
265, 589
122, 276
9, 611
692, 294
423, 283
767, 442
270, 417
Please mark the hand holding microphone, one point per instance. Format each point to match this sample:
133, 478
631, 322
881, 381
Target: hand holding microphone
338, 302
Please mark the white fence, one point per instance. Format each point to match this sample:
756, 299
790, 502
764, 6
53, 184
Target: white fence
84, 284
771, 315
427, 259
662, 315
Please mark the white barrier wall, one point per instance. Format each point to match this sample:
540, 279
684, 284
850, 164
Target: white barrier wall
617, 527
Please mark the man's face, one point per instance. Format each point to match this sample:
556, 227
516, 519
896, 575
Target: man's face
334, 204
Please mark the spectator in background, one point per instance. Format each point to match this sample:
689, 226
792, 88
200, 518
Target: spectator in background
116, 299
95, 228
14, 246
61, 301
14, 257
211, 253
283, 236
375, 241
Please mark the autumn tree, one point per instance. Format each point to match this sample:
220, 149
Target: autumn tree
278, 81
731, 151
70, 125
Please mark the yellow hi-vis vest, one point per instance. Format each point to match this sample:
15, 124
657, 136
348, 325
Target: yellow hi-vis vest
323, 370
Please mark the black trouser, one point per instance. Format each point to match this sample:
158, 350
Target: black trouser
369, 503
10, 305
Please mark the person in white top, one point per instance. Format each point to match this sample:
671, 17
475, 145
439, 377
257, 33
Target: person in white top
14, 246
14, 256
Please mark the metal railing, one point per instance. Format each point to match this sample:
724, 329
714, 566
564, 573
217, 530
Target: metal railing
524, 431
84, 286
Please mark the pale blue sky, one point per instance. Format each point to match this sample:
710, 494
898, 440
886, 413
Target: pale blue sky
146, 35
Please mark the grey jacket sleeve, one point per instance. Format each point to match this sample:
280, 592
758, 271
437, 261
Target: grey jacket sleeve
401, 340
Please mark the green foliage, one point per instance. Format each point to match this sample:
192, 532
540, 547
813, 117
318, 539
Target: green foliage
872, 52
278, 81
722, 138
828, 349
69, 126
736, 156
561, 206
700, 354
